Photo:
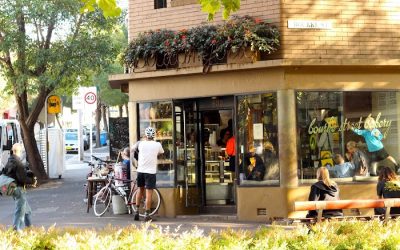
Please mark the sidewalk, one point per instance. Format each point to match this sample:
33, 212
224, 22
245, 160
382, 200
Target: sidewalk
60, 203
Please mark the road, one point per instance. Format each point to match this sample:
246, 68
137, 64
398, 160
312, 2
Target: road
60, 202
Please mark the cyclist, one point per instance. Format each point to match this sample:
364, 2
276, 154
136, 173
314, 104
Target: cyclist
147, 168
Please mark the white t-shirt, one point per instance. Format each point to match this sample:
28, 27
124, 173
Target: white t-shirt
148, 152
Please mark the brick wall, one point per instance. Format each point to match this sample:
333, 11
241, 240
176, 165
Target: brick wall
142, 15
362, 30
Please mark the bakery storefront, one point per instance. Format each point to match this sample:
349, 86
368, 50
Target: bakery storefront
282, 135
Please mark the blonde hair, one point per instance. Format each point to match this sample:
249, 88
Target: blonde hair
369, 123
323, 175
17, 149
351, 144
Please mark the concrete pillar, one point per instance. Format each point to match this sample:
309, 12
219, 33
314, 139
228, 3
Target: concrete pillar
132, 122
287, 146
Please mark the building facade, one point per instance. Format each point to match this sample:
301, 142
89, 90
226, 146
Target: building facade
338, 64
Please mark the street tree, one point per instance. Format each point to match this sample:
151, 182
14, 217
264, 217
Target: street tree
213, 6
110, 7
48, 46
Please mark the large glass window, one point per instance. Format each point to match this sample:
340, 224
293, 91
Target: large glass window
354, 134
159, 116
257, 126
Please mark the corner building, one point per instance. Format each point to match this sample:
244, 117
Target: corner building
338, 64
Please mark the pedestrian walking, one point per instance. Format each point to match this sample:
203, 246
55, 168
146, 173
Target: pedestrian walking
16, 170
147, 169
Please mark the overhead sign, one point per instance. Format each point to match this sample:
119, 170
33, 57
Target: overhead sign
310, 24
53, 104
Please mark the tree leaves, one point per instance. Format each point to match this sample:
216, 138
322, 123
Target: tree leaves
213, 6
109, 7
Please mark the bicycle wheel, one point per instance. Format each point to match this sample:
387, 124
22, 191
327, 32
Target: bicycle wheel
155, 202
102, 201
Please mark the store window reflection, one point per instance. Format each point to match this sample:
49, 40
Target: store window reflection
258, 139
354, 134
159, 116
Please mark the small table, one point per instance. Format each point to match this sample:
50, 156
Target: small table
92, 189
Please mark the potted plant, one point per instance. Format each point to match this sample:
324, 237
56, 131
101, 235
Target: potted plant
187, 53
246, 38
241, 39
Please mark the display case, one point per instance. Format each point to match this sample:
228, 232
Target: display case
159, 116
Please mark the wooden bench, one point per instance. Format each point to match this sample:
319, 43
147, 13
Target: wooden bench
319, 206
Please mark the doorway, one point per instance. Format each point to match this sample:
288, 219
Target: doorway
202, 129
216, 130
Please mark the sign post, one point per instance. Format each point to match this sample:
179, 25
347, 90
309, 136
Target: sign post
53, 106
85, 102
90, 105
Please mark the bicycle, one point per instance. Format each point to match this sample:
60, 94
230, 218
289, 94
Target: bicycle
103, 198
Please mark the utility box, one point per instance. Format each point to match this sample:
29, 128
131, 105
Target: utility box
56, 152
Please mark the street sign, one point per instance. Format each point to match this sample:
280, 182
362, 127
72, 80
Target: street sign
90, 98
53, 104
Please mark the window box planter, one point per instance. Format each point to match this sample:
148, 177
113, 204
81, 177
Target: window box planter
190, 59
146, 64
243, 55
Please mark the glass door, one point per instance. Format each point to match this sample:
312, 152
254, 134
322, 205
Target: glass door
187, 151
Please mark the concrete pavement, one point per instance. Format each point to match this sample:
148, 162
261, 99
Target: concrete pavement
60, 202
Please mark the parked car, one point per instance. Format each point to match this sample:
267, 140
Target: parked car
72, 142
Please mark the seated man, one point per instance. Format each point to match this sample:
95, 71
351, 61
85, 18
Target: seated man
341, 169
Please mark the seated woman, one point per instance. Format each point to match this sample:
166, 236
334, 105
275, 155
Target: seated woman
255, 169
126, 160
341, 169
324, 190
388, 187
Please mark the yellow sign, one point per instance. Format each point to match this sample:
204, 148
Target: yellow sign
53, 104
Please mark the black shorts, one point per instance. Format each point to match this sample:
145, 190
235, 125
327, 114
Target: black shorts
379, 155
146, 180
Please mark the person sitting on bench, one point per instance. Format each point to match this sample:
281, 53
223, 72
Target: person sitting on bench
388, 187
324, 190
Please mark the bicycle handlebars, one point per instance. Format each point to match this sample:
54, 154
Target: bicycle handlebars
101, 160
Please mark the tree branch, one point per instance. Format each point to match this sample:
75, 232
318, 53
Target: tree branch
41, 99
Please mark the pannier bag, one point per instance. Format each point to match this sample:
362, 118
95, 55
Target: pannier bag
7, 185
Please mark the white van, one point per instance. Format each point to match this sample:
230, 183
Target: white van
10, 133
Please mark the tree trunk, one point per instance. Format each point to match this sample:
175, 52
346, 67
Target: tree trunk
32, 152
104, 109
97, 121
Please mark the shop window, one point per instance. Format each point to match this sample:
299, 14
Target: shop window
159, 116
258, 139
334, 131
158, 4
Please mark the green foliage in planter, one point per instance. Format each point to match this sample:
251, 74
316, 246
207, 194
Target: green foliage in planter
246, 31
212, 42
327, 235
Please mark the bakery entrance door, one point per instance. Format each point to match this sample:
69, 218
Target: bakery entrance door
217, 178
187, 151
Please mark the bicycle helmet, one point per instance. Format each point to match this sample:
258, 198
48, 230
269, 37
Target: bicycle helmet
150, 132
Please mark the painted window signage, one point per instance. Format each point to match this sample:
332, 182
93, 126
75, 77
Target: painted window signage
310, 24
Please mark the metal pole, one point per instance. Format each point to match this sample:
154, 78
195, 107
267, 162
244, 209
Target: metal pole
80, 137
47, 138
91, 128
